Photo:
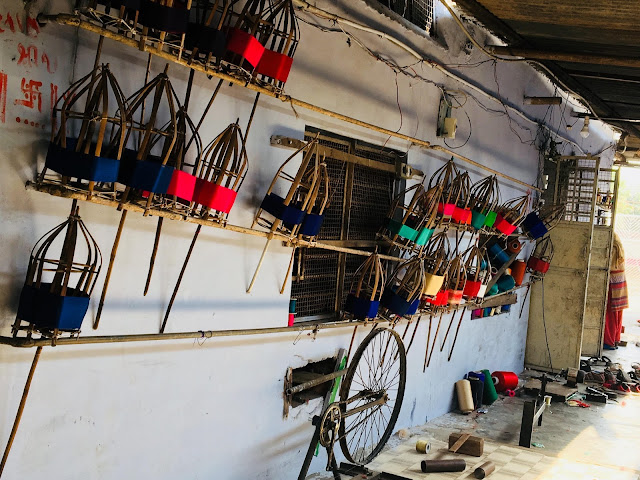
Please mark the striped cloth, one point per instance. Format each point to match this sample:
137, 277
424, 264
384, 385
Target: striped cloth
618, 296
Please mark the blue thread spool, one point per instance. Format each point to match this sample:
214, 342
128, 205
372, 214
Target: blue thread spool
505, 282
498, 255
292, 305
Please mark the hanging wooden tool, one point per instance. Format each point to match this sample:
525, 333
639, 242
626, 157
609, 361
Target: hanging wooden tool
206, 38
445, 177
88, 137
63, 268
402, 292
540, 221
478, 268
410, 225
367, 286
219, 176
461, 191
280, 40
484, 199
185, 158
164, 25
313, 218
285, 214
436, 263
244, 50
457, 280
510, 215
540, 259
142, 172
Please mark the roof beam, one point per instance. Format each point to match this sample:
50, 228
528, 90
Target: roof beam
530, 54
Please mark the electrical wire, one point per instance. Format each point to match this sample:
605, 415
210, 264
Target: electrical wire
542, 65
337, 20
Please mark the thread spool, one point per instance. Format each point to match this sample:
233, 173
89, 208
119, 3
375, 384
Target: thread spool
505, 283
465, 397
505, 309
498, 255
518, 267
505, 380
490, 394
292, 305
510, 393
429, 466
423, 446
487, 468
477, 387
291, 320
514, 246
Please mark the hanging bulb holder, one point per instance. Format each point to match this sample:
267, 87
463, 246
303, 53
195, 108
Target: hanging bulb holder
584, 133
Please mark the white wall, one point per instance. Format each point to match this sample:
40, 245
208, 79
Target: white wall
214, 410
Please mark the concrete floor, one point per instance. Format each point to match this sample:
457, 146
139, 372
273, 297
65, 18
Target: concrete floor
600, 442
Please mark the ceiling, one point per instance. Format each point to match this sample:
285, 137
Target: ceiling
592, 46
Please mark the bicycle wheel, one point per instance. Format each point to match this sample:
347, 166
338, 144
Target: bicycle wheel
377, 372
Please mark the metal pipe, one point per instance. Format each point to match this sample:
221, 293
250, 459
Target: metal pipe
154, 337
316, 381
565, 56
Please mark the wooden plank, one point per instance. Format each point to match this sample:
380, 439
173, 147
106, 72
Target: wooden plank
456, 446
473, 446
556, 390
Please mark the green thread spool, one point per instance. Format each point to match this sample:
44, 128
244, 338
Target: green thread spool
292, 305
491, 219
477, 219
490, 395
493, 290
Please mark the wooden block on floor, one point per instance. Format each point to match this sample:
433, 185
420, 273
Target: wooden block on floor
472, 446
556, 390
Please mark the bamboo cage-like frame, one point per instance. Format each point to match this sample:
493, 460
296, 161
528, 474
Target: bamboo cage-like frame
478, 268
284, 215
511, 214
367, 287
445, 177
542, 220
457, 279
404, 216
541, 257
280, 40
153, 130
224, 164
406, 283
484, 199
210, 16
101, 137
71, 277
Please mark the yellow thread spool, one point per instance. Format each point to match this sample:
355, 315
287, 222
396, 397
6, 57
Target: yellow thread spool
423, 446
465, 399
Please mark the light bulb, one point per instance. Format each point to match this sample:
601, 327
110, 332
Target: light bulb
584, 133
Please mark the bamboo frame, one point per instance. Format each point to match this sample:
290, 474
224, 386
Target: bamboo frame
96, 88
68, 276
301, 190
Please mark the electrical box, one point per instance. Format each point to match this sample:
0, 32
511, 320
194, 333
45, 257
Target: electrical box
447, 124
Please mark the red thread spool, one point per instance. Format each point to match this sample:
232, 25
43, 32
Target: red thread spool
514, 246
505, 381
510, 393
518, 268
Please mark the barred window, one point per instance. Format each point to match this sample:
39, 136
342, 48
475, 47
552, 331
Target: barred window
359, 201
418, 12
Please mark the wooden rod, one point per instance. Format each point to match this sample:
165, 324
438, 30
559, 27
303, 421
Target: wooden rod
23, 401
154, 252
63, 192
531, 54
66, 19
114, 251
179, 281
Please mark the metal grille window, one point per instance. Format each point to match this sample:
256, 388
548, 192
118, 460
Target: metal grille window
418, 12
360, 199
